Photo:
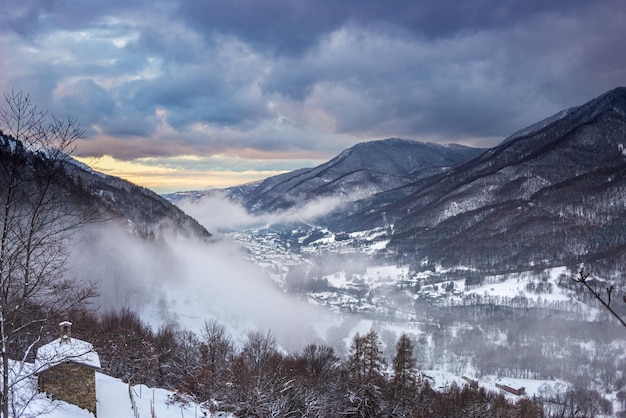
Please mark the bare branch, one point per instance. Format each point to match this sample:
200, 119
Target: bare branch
582, 278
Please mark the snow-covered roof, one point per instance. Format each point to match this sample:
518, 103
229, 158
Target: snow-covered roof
73, 350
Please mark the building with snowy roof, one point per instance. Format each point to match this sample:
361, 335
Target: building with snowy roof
66, 369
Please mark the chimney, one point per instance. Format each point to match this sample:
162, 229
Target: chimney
65, 329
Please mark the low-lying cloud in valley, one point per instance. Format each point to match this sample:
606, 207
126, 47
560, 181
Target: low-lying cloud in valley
216, 212
185, 281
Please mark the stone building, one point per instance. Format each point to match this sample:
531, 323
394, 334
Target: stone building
66, 369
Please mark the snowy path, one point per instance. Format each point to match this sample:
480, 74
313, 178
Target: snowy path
113, 399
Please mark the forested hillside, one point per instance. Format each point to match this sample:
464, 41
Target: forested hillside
257, 378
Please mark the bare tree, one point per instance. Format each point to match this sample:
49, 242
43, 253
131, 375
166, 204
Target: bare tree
216, 353
258, 370
216, 348
320, 362
36, 218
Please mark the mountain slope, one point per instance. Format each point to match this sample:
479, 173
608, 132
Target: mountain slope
551, 196
143, 212
357, 172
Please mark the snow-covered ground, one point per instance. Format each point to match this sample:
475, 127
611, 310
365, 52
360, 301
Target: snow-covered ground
373, 276
114, 401
268, 249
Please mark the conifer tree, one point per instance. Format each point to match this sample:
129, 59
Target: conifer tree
366, 380
404, 385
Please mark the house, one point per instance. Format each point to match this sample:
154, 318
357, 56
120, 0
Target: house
510, 387
66, 369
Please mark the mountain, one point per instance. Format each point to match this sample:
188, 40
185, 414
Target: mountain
141, 211
553, 194
358, 172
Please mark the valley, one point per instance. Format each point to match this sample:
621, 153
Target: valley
533, 326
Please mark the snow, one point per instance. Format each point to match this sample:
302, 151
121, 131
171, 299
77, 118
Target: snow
378, 246
387, 272
113, 401
441, 380
85, 167
529, 130
160, 400
112, 397
362, 327
515, 284
372, 275
58, 351
43, 406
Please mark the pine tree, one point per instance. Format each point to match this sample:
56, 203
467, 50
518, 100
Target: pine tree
404, 385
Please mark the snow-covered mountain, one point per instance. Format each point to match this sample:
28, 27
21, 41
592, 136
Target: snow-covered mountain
551, 194
469, 252
554, 196
143, 253
358, 172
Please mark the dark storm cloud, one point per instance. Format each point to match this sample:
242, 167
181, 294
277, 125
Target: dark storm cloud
292, 27
30, 18
446, 89
311, 76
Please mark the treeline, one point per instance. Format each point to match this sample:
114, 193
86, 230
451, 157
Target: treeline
258, 379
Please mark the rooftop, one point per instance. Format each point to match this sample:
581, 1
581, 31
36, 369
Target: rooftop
61, 351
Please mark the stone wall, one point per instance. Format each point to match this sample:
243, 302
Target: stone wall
71, 382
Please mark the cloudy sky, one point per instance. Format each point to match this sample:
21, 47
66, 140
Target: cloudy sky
188, 94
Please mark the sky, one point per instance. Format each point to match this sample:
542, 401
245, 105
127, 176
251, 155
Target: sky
189, 95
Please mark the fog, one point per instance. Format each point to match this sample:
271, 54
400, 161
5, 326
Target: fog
218, 213
185, 281
174, 280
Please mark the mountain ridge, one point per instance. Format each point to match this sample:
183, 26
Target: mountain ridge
568, 152
388, 163
143, 212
